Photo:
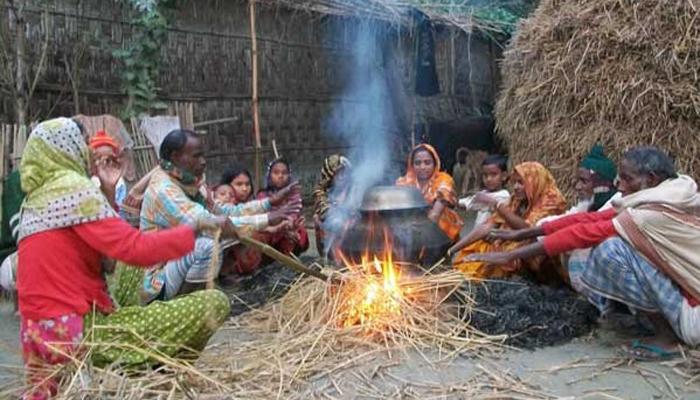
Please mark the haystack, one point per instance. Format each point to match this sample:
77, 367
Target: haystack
620, 72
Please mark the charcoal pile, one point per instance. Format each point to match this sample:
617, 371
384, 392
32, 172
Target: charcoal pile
270, 282
531, 315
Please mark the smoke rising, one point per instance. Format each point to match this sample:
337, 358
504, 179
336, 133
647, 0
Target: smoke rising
366, 121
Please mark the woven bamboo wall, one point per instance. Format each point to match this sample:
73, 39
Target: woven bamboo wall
206, 60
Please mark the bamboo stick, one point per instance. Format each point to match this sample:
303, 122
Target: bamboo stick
284, 259
4, 136
274, 149
215, 121
255, 100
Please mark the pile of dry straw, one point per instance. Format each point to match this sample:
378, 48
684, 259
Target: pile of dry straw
300, 346
619, 72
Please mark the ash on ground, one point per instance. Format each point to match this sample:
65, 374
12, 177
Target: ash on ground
532, 315
268, 283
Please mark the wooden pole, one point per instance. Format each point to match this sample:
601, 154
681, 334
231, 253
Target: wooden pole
21, 86
255, 100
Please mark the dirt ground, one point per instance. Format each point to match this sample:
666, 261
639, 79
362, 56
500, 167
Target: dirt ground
587, 367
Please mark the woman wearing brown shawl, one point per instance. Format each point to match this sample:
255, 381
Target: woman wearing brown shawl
535, 196
438, 188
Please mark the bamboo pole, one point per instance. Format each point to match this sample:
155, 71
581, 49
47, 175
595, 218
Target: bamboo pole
282, 258
4, 137
274, 149
215, 122
21, 73
255, 99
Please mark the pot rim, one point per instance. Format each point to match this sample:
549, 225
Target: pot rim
392, 198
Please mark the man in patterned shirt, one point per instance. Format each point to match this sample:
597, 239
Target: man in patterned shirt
176, 195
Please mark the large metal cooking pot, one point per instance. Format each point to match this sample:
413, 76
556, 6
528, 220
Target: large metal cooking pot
392, 198
402, 213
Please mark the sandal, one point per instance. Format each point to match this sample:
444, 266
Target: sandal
648, 352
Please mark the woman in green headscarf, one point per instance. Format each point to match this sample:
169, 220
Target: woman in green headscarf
67, 226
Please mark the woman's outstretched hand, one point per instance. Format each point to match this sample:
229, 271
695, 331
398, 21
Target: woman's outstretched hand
501, 259
290, 191
478, 233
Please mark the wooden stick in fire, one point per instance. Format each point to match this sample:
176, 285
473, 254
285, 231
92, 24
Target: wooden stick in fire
282, 258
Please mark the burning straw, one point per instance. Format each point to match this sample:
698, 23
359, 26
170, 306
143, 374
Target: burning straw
320, 329
622, 73
315, 332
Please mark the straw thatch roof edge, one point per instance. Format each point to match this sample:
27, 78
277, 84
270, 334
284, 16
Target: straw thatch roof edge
495, 17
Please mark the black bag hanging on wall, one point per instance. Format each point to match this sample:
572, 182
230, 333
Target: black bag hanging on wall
426, 74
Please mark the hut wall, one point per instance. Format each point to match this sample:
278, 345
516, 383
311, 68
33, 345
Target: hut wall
206, 60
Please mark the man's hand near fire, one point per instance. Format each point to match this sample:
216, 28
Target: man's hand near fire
515, 235
503, 259
212, 223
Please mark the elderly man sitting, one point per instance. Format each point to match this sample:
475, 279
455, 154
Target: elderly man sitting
646, 253
175, 196
595, 191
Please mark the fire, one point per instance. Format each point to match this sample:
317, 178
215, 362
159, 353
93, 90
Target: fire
374, 297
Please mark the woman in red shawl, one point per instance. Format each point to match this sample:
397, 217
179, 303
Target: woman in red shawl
292, 237
438, 188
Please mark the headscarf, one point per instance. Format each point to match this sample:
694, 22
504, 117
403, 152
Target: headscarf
331, 165
100, 139
54, 175
440, 186
542, 195
269, 188
605, 171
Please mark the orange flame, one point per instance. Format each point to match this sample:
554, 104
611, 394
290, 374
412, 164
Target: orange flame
375, 297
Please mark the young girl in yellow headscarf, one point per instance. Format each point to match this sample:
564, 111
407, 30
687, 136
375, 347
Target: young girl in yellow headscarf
535, 196
438, 188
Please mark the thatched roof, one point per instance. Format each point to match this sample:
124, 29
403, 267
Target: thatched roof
490, 16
